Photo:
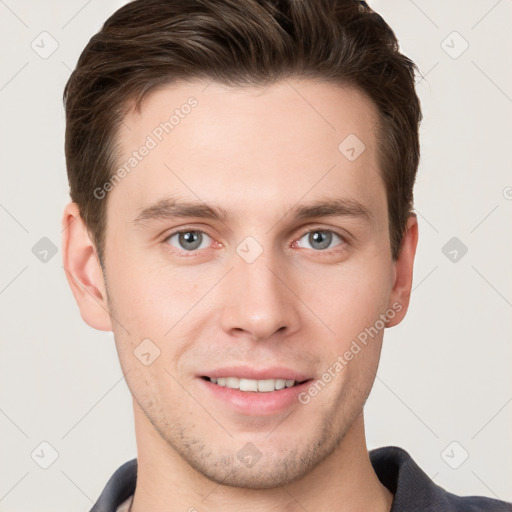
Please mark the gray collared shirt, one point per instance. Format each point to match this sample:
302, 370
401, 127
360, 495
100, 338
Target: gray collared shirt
413, 490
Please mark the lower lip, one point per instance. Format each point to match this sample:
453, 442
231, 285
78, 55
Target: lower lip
256, 403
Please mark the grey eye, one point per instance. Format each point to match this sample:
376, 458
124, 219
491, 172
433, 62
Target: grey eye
189, 240
320, 239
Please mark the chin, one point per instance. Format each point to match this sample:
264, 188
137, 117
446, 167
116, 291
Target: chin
263, 477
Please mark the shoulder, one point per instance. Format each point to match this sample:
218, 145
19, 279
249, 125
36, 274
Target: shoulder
414, 490
118, 489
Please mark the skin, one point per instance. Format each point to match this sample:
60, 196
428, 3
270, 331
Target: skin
256, 152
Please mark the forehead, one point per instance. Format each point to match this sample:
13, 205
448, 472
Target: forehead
250, 148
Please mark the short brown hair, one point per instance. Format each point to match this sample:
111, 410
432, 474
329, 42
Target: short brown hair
149, 43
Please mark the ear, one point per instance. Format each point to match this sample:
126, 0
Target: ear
401, 292
83, 270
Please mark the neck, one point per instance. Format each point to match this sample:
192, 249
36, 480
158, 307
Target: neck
344, 481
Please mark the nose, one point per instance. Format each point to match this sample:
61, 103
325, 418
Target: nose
258, 301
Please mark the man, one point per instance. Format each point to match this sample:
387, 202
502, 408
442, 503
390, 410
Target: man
241, 177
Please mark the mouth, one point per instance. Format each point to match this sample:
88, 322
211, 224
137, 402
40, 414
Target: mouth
254, 385
254, 391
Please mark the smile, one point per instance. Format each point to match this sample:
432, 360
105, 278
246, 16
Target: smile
261, 386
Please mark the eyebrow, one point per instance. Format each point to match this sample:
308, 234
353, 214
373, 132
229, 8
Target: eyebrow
172, 208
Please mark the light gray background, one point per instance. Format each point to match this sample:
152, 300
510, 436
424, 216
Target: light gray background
445, 371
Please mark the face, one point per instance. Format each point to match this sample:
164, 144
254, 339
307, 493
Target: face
249, 273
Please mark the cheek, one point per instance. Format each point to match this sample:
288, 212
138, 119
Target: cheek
161, 304
351, 304
348, 298
146, 308
145, 297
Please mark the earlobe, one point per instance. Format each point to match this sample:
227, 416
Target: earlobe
403, 272
83, 270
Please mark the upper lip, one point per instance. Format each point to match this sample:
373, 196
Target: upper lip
248, 372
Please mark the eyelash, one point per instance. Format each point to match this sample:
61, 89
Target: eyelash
344, 241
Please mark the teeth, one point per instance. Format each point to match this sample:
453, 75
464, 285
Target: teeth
280, 383
232, 382
263, 386
248, 385
266, 385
